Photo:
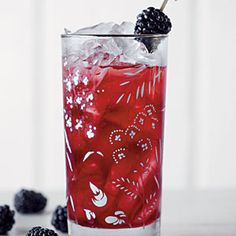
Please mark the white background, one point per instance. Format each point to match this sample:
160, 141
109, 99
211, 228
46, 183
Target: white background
200, 137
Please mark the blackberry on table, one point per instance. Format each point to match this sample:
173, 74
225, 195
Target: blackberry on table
6, 219
152, 21
28, 201
39, 231
59, 219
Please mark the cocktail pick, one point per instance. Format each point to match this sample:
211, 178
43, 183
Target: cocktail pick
164, 5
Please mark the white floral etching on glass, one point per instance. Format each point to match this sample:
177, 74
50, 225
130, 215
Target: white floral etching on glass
100, 198
117, 219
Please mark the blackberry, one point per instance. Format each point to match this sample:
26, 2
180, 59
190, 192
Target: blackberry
28, 201
39, 231
152, 21
59, 219
6, 219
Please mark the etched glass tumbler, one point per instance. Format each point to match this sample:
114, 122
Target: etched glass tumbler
114, 101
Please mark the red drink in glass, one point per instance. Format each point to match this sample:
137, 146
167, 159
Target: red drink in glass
114, 122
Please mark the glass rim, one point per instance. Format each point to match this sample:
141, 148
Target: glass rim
72, 35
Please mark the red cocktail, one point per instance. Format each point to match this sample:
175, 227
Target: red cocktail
114, 122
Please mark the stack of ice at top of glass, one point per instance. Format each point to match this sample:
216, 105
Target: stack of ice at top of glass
105, 51
114, 100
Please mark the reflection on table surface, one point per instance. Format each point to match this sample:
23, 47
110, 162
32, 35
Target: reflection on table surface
200, 213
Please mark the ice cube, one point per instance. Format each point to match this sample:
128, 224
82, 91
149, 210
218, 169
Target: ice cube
102, 28
107, 28
124, 28
67, 31
110, 46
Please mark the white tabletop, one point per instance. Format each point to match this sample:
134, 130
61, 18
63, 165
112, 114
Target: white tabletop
209, 213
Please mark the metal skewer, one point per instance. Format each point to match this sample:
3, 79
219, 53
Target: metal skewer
164, 5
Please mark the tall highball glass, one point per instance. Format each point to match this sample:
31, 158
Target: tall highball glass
114, 102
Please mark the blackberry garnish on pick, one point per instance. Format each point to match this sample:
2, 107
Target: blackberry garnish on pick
28, 201
39, 231
59, 219
6, 219
152, 21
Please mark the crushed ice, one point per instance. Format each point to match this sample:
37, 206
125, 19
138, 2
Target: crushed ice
106, 50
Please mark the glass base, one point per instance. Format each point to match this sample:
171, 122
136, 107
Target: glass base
149, 230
